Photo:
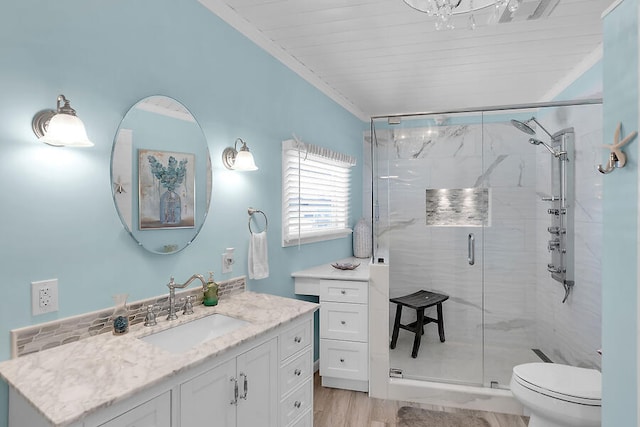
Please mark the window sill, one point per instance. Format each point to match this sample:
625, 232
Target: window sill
317, 238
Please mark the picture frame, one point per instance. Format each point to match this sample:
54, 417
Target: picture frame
166, 189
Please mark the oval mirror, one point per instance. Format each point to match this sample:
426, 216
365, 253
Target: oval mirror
161, 174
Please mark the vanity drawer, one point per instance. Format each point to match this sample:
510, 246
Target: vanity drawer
298, 403
344, 359
344, 291
295, 339
295, 372
343, 321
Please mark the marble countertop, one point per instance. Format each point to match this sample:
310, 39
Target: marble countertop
326, 271
68, 382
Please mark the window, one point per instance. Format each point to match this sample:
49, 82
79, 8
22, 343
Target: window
315, 193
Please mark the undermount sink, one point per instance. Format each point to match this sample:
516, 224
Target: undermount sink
188, 335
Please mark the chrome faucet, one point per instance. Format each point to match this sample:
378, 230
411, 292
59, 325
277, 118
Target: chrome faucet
172, 293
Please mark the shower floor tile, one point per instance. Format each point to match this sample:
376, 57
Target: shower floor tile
457, 362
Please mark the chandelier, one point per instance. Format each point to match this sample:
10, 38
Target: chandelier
444, 10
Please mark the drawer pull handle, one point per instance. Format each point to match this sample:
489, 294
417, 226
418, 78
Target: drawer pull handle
341, 360
342, 322
297, 372
297, 339
343, 292
297, 404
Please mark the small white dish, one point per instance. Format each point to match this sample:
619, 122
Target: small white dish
345, 266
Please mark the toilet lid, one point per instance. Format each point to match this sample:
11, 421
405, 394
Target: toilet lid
564, 382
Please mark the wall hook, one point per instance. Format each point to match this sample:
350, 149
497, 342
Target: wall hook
617, 158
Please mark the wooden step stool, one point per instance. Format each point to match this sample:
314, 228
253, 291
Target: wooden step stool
418, 301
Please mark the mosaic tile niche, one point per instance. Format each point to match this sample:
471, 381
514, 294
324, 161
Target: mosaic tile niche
467, 207
35, 338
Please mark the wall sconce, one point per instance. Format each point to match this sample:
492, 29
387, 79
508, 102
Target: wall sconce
238, 160
60, 128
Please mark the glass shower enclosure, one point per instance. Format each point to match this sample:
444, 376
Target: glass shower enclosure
460, 207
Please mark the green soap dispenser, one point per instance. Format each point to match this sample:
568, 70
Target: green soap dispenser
211, 294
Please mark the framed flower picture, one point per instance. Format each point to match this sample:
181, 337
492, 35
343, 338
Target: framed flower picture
166, 186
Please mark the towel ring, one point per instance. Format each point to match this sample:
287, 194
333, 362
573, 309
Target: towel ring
252, 211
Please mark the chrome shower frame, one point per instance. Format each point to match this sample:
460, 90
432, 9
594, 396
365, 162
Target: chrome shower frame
431, 391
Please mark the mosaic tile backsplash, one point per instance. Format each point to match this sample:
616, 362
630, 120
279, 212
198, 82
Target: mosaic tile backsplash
34, 338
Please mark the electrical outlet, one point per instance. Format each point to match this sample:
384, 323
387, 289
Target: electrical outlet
44, 296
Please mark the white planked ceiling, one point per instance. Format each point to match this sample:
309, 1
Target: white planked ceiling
380, 57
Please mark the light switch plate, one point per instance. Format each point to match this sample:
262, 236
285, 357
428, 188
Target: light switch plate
227, 262
44, 296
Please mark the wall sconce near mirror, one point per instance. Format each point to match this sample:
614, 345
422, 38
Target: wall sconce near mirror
238, 160
60, 128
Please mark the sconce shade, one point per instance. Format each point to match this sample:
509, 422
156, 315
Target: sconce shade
244, 161
66, 130
238, 160
61, 128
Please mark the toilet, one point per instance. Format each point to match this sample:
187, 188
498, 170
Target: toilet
558, 395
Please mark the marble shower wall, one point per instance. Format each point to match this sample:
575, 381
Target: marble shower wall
509, 280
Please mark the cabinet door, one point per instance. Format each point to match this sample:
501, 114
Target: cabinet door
207, 399
154, 413
258, 384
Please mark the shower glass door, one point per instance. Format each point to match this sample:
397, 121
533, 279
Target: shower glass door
510, 267
431, 207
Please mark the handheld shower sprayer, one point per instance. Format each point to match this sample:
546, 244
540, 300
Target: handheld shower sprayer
555, 153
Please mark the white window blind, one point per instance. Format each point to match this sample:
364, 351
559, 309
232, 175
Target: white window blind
315, 193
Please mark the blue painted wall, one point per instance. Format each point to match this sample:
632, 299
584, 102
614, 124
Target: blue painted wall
57, 218
620, 210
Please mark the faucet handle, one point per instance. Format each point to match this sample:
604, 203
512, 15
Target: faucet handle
150, 318
171, 283
188, 305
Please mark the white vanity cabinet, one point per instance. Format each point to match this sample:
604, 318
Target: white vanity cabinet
250, 390
344, 330
241, 392
273, 373
344, 322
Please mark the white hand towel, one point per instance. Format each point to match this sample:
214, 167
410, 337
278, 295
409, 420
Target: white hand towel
258, 257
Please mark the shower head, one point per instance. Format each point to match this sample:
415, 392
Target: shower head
523, 126
526, 127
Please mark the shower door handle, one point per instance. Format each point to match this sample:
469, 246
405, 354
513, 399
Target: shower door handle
471, 249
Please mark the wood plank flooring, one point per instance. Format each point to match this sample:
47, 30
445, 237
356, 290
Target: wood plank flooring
344, 408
